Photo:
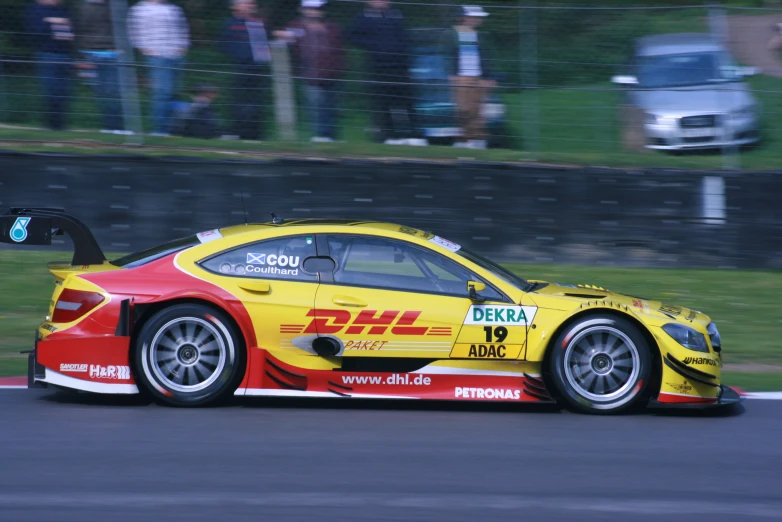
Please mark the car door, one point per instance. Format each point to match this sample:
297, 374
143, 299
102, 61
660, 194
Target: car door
272, 281
391, 298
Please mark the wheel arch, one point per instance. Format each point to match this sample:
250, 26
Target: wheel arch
654, 386
143, 312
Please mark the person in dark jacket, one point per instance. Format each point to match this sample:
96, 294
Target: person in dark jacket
245, 42
318, 46
380, 30
95, 40
468, 65
50, 31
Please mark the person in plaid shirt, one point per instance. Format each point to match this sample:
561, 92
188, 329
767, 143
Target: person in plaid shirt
159, 30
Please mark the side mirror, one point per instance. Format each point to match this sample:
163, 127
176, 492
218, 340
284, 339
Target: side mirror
624, 80
473, 287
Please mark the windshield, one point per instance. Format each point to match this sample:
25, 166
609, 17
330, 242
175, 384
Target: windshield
500, 271
149, 255
681, 70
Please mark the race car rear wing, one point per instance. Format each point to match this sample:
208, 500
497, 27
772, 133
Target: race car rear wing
37, 225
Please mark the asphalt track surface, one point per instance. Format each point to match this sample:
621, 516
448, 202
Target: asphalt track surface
80, 458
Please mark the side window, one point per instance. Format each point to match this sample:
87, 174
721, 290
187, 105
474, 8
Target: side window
274, 259
396, 265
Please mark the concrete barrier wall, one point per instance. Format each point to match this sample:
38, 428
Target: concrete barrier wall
512, 213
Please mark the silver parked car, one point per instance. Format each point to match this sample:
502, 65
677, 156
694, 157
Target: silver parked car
691, 92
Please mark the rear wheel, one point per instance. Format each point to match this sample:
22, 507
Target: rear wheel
601, 364
189, 355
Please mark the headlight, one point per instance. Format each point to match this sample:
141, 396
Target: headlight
714, 337
687, 337
744, 112
650, 118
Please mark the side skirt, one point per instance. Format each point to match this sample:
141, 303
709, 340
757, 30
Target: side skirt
460, 380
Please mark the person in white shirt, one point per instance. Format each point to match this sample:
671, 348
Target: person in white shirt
465, 53
159, 31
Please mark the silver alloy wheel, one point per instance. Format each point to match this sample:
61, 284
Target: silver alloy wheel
187, 354
601, 363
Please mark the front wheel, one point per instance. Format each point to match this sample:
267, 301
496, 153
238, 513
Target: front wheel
601, 364
189, 355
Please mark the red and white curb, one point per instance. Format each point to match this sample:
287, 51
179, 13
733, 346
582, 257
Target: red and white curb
19, 383
13, 383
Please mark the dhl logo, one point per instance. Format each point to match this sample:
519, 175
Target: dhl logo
371, 322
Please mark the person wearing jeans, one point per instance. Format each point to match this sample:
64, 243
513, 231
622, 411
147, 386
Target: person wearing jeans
51, 33
95, 38
468, 66
159, 30
321, 62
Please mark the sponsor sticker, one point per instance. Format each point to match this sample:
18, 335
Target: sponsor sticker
450, 245
486, 393
486, 351
670, 310
73, 368
372, 322
109, 372
641, 305
500, 315
209, 235
19, 229
685, 387
395, 379
365, 345
701, 360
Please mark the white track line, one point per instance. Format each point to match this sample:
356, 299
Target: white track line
769, 396
772, 396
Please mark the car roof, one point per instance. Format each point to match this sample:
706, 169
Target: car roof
677, 43
316, 225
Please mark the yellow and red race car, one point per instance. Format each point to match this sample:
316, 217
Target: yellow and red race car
352, 309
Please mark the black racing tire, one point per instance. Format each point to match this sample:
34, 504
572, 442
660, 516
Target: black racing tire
601, 364
189, 355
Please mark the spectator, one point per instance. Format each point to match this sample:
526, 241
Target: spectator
775, 43
244, 41
51, 33
95, 39
159, 30
319, 48
199, 119
468, 65
380, 30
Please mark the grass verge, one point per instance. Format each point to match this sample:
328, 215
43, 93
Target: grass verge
575, 126
743, 303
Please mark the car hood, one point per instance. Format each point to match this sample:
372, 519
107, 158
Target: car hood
703, 99
638, 305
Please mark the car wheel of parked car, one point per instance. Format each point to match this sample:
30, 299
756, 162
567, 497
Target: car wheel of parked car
189, 355
601, 364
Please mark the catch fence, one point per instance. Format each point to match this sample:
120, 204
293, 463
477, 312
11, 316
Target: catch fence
550, 96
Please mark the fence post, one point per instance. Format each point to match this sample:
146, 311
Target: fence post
528, 47
718, 26
3, 92
284, 92
128, 81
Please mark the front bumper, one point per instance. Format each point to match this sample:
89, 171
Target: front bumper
736, 132
726, 398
